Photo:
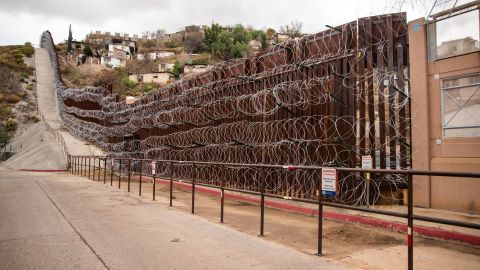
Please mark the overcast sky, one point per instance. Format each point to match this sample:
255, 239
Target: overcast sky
25, 20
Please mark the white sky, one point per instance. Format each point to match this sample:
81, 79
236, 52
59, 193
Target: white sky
25, 20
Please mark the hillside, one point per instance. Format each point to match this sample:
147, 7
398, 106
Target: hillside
17, 90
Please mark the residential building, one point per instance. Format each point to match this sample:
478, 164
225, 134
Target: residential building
161, 78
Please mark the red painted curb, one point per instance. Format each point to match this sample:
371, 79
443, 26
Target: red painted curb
28, 170
391, 225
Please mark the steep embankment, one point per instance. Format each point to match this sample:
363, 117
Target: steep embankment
35, 149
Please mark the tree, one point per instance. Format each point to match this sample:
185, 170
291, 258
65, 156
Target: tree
70, 38
177, 69
294, 29
194, 43
87, 50
259, 35
211, 34
270, 33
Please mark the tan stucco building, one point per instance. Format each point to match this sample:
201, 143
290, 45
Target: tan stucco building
445, 83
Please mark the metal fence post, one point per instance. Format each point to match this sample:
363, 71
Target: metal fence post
129, 163
94, 168
171, 184
111, 172
410, 222
104, 170
320, 218
222, 193
153, 186
262, 205
89, 167
140, 179
119, 172
193, 189
99, 168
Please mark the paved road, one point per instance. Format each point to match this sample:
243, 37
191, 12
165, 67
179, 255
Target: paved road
60, 221
47, 105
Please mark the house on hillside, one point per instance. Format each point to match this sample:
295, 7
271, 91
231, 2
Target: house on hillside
112, 62
165, 54
165, 67
189, 70
161, 78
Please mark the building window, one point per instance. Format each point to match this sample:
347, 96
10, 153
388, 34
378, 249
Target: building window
461, 106
455, 35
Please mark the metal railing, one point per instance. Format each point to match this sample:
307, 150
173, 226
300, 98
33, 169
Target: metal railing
57, 137
82, 165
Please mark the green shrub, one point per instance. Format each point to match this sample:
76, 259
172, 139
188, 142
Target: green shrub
149, 86
170, 44
27, 50
125, 81
5, 111
177, 69
11, 124
30, 86
35, 119
19, 61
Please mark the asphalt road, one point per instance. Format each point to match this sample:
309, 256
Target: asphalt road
60, 221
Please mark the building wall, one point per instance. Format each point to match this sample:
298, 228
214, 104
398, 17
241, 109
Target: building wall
431, 150
161, 78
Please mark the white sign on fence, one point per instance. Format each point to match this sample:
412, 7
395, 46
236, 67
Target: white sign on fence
154, 167
329, 182
367, 162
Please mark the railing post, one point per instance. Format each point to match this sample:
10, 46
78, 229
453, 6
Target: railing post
104, 170
171, 184
119, 172
94, 168
84, 169
153, 187
222, 193
262, 204
129, 164
193, 189
99, 168
320, 218
74, 165
410, 222
140, 180
111, 172
89, 167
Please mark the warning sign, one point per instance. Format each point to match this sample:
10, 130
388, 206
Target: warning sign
329, 182
154, 171
367, 162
